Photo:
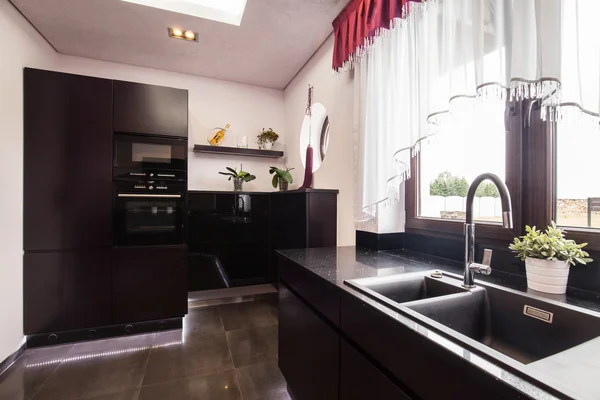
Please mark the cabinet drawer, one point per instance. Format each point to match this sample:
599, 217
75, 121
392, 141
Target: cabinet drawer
359, 379
319, 293
308, 350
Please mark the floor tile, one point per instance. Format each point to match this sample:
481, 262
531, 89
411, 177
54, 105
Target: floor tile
220, 386
30, 371
262, 382
90, 374
249, 315
202, 355
202, 321
131, 394
253, 346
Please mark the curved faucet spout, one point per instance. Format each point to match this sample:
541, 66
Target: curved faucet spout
504, 198
470, 266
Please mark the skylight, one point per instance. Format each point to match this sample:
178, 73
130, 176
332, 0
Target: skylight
226, 11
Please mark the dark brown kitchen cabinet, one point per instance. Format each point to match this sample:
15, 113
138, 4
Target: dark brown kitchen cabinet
67, 290
150, 109
360, 380
67, 161
149, 283
304, 218
308, 350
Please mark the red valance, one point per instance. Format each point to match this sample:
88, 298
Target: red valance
359, 22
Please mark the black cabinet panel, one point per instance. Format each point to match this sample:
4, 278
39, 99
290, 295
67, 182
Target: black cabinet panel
149, 109
228, 232
360, 380
67, 290
67, 161
149, 283
225, 217
302, 219
289, 220
322, 220
308, 350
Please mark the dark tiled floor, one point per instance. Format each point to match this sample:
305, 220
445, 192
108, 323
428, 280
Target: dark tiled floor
224, 352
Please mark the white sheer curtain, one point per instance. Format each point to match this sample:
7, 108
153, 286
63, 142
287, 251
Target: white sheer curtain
450, 54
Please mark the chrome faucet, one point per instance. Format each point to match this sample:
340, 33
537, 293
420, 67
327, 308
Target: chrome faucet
470, 266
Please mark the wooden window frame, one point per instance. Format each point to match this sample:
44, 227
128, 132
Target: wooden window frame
530, 178
454, 229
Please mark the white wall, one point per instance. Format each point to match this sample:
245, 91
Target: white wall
336, 94
20, 45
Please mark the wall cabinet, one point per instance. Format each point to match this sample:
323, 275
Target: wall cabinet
67, 161
150, 109
67, 290
308, 350
149, 283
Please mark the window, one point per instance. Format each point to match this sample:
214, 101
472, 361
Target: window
577, 187
469, 144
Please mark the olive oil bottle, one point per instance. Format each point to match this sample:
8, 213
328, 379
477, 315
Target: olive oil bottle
218, 136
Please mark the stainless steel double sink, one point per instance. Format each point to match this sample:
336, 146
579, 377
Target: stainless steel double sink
524, 327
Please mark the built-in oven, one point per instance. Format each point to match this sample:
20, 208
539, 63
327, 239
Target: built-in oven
149, 213
145, 157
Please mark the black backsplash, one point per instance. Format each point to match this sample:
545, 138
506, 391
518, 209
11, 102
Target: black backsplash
581, 277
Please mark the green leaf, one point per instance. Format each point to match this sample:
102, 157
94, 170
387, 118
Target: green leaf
275, 181
233, 171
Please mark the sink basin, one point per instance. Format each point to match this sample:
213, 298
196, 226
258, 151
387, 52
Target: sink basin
406, 287
523, 327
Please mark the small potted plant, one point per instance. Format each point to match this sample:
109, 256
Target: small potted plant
238, 177
266, 139
548, 256
281, 177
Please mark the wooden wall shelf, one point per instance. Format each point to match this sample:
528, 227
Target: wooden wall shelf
199, 148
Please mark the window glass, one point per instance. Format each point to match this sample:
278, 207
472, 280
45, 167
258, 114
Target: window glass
470, 142
577, 189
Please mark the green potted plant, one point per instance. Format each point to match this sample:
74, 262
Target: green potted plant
281, 177
548, 256
238, 177
266, 138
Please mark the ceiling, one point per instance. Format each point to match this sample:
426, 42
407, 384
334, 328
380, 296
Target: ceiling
274, 40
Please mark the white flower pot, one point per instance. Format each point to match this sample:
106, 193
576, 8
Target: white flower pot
547, 276
268, 146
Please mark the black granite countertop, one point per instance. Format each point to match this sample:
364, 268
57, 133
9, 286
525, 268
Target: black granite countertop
336, 265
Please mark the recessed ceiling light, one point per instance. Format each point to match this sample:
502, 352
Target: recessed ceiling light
227, 11
177, 33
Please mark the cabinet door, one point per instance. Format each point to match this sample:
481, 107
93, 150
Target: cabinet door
288, 219
149, 109
66, 290
149, 283
322, 220
67, 161
360, 380
308, 350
